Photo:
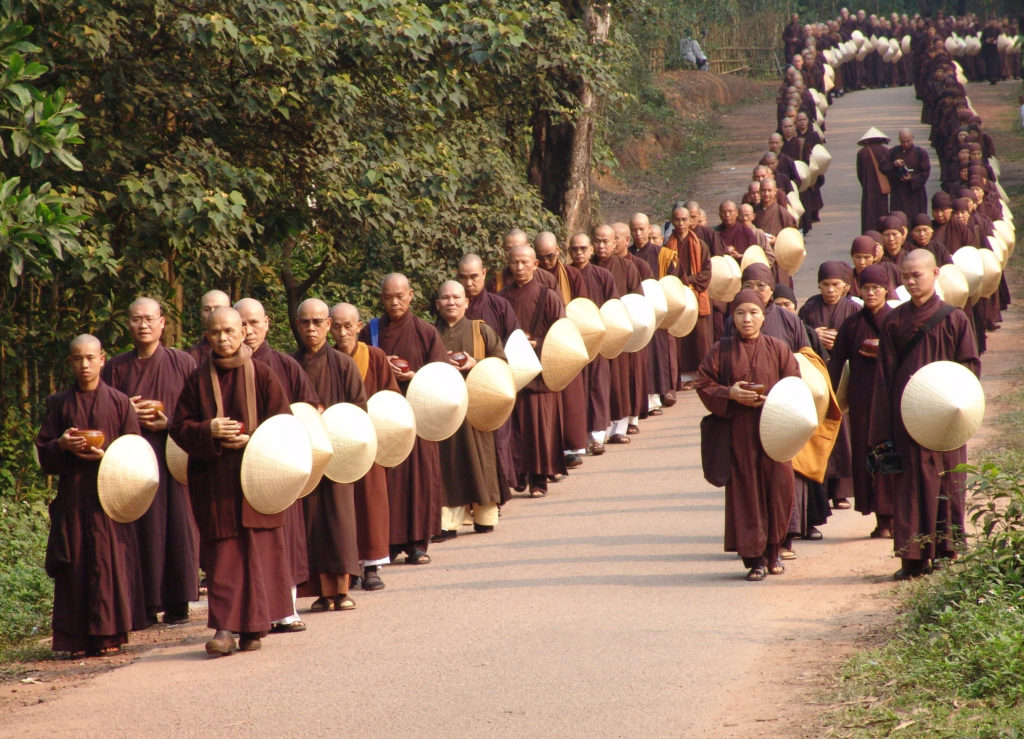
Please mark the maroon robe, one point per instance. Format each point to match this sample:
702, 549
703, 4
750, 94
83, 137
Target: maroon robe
414, 486
574, 396
627, 280
909, 196
928, 509
695, 345
600, 286
167, 535
661, 352
498, 281
93, 560
874, 204
771, 219
199, 351
638, 360
248, 579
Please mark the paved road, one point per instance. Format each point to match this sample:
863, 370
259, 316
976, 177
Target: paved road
606, 609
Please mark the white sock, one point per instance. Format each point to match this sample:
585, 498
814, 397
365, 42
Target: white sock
653, 401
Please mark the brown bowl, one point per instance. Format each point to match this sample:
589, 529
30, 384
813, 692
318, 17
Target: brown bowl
241, 428
757, 387
402, 365
93, 437
869, 347
157, 406
459, 358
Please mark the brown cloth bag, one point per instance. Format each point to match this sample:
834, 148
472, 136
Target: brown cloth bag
715, 435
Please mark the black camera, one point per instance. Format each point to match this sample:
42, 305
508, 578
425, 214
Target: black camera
902, 171
885, 460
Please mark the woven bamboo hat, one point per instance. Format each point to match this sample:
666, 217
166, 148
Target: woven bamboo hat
943, 405
641, 314
319, 442
522, 359
1006, 232
438, 396
276, 464
618, 328
788, 419
492, 394
688, 320
395, 424
353, 442
789, 249
820, 155
993, 272
794, 203
177, 461
843, 391
952, 286
585, 314
872, 134
725, 278
128, 478
563, 356
753, 255
969, 262
998, 247
817, 383
656, 297
905, 44
996, 168
803, 171
675, 299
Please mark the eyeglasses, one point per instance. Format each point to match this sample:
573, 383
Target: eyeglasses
147, 320
547, 257
750, 285
312, 321
871, 288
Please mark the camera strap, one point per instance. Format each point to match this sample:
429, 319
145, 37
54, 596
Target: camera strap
923, 331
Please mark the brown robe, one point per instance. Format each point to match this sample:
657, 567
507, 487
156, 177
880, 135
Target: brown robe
771, 219
574, 396
167, 534
759, 494
498, 281
627, 280
695, 345
248, 578
928, 506
662, 370
93, 560
414, 486
469, 459
874, 204
600, 286
330, 510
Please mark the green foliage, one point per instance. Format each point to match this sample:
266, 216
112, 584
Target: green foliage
26, 593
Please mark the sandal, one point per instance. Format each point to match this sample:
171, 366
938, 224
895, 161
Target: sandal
786, 553
319, 605
418, 557
777, 569
343, 603
756, 574
537, 493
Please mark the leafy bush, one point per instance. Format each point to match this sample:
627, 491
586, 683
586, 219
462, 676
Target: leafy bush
26, 593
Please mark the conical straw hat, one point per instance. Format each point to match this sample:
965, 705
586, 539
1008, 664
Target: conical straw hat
1003, 197
276, 464
788, 419
994, 164
812, 168
843, 391
618, 328
128, 478
789, 250
993, 272
725, 278
942, 406
395, 424
675, 299
656, 297
492, 394
522, 359
998, 247
820, 155
754, 254
872, 134
353, 441
319, 442
563, 355
1005, 230
857, 37
641, 314
817, 384
585, 314
438, 396
881, 45
969, 261
177, 461
794, 203
803, 171
688, 320
905, 44
952, 286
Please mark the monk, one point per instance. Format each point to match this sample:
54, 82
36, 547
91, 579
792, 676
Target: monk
928, 497
661, 352
638, 363
909, 168
469, 461
248, 578
688, 257
872, 163
97, 585
537, 418
152, 374
759, 493
772, 218
255, 325
414, 486
500, 280
371, 490
211, 301
777, 323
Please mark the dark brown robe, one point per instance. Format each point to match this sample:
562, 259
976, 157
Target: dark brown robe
909, 196
498, 281
414, 486
574, 396
600, 286
627, 280
928, 506
330, 510
167, 534
662, 371
772, 218
695, 345
874, 204
248, 578
469, 459
93, 560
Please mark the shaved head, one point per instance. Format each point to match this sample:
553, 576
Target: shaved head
210, 301
84, 341
545, 239
147, 305
345, 312
920, 258
345, 325
314, 305
395, 281
515, 237
250, 306
470, 262
453, 286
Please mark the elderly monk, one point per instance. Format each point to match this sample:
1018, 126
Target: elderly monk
908, 171
211, 301
785, 164
627, 280
537, 418
255, 325
928, 497
153, 375
330, 510
662, 367
759, 493
248, 578
469, 461
600, 286
97, 588
500, 280
638, 369
496, 312
688, 257
414, 486
371, 490
772, 218
698, 224
574, 396
869, 497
